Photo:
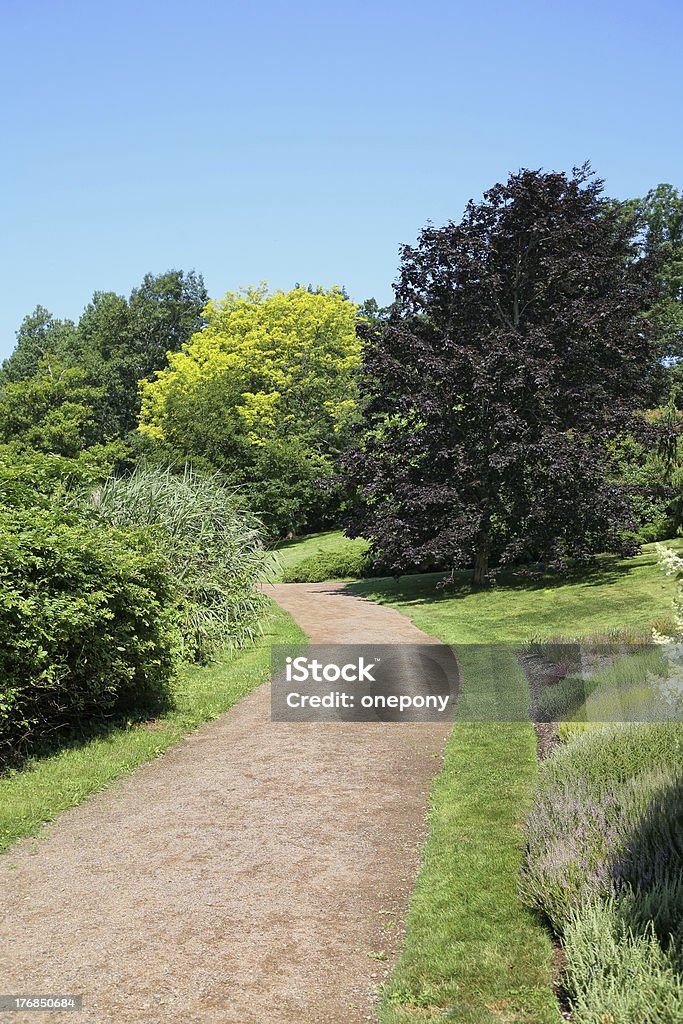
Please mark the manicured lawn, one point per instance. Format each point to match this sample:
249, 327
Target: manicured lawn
617, 593
51, 784
472, 953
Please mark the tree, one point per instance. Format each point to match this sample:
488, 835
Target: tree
121, 342
515, 351
372, 313
117, 342
166, 310
264, 393
40, 334
51, 412
660, 215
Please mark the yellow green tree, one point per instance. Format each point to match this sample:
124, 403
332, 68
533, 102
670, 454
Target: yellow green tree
266, 394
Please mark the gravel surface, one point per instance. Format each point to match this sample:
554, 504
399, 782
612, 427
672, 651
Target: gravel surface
257, 873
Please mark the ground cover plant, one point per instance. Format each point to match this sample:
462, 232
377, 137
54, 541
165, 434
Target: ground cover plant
604, 864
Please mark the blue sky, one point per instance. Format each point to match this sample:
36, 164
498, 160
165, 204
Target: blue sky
303, 142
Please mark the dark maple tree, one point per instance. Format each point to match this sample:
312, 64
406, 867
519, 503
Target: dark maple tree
516, 351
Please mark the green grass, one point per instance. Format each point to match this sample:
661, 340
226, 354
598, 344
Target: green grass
617, 593
288, 555
472, 953
49, 785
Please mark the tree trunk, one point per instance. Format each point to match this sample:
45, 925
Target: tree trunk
481, 562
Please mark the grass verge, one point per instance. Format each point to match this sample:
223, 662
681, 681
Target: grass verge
50, 785
473, 954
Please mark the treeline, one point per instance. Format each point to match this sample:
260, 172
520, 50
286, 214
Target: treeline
545, 305
518, 403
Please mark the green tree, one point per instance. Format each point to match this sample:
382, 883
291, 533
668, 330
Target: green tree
120, 342
40, 334
53, 411
117, 342
166, 310
372, 313
660, 216
264, 393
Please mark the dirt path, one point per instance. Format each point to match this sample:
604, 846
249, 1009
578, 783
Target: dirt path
255, 874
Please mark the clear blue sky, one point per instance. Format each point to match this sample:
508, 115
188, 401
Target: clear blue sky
303, 141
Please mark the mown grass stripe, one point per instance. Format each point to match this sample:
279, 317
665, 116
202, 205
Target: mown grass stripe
472, 952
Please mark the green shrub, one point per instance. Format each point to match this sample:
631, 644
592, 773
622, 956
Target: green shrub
604, 864
344, 563
616, 976
624, 691
658, 906
87, 625
584, 843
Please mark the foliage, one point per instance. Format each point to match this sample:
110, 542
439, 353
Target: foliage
516, 352
616, 976
39, 335
607, 757
580, 840
649, 476
672, 564
264, 393
604, 864
660, 215
38, 479
349, 562
212, 545
166, 310
87, 625
372, 313
121, 342
53, 411
284, 486
116, 343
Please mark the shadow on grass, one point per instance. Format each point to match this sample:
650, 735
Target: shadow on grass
74, 734
433, 587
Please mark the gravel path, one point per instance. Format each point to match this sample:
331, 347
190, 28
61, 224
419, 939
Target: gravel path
257, 873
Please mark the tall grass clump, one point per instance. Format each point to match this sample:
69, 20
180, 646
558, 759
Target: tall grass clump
213, 545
